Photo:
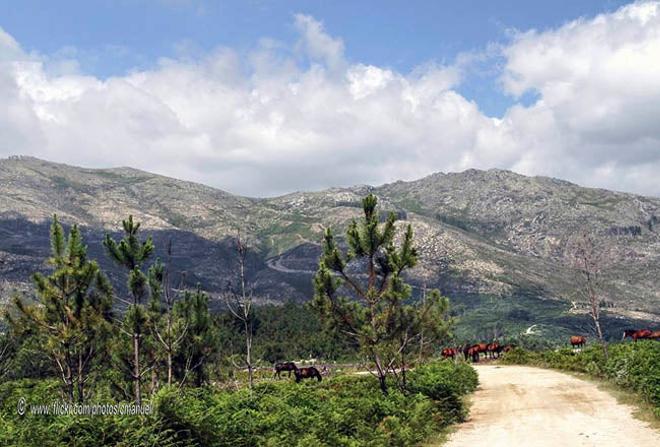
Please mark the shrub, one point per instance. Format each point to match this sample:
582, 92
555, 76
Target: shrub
518, 356
445, 382
341, 411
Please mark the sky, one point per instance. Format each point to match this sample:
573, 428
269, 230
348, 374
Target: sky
267, 97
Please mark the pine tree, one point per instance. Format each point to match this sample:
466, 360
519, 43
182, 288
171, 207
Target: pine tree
74, 309
373, 310
131, 254
201, 338
169, 327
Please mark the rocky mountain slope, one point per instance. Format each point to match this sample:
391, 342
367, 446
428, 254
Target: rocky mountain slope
492, 235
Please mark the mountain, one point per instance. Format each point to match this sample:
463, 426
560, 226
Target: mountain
494, 241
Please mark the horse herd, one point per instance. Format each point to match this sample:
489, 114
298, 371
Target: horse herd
494, 349
489, 350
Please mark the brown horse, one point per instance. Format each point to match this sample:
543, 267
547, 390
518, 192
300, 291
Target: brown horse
636, 334
578, 341
284, 366
307, 373
449, 353
493, 349
474, 351
482, 348
655, 335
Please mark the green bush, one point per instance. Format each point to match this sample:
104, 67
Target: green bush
445, 382
519, 356
341, 411
634, 366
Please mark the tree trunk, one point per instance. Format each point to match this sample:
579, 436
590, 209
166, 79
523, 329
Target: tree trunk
81, 379
382, 375
136, 368
599, 332
69, 385
383, 383
154, 381
169, 367
248, 349
595, 315
170, 338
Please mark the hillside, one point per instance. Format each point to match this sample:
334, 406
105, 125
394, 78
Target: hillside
492, 240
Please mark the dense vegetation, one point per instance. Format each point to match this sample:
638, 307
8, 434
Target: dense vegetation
633, 366
198, 378
341, 411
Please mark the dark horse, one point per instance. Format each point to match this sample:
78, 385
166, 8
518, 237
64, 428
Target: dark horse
284, 366
307, 373
637, 334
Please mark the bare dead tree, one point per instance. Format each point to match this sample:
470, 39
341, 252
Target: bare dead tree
588, 260
239, 302
6, 351
171, 335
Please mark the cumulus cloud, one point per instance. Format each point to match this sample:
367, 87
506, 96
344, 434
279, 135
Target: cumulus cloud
598, 82
302, 116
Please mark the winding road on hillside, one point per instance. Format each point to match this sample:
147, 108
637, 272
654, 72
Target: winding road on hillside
532, 407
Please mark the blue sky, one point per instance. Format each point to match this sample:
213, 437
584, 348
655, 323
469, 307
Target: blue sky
113, 37
263, 98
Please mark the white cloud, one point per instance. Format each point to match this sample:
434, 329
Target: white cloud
285, 118
317, 44
599, 87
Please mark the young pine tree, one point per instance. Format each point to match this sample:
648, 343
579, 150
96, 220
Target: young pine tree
201, 337
72, 317
131, 254
374, 311
168, 326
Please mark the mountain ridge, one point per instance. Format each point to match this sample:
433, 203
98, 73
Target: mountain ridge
503, 234
120, 169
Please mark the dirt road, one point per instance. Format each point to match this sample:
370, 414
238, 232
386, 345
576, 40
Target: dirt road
532, 407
